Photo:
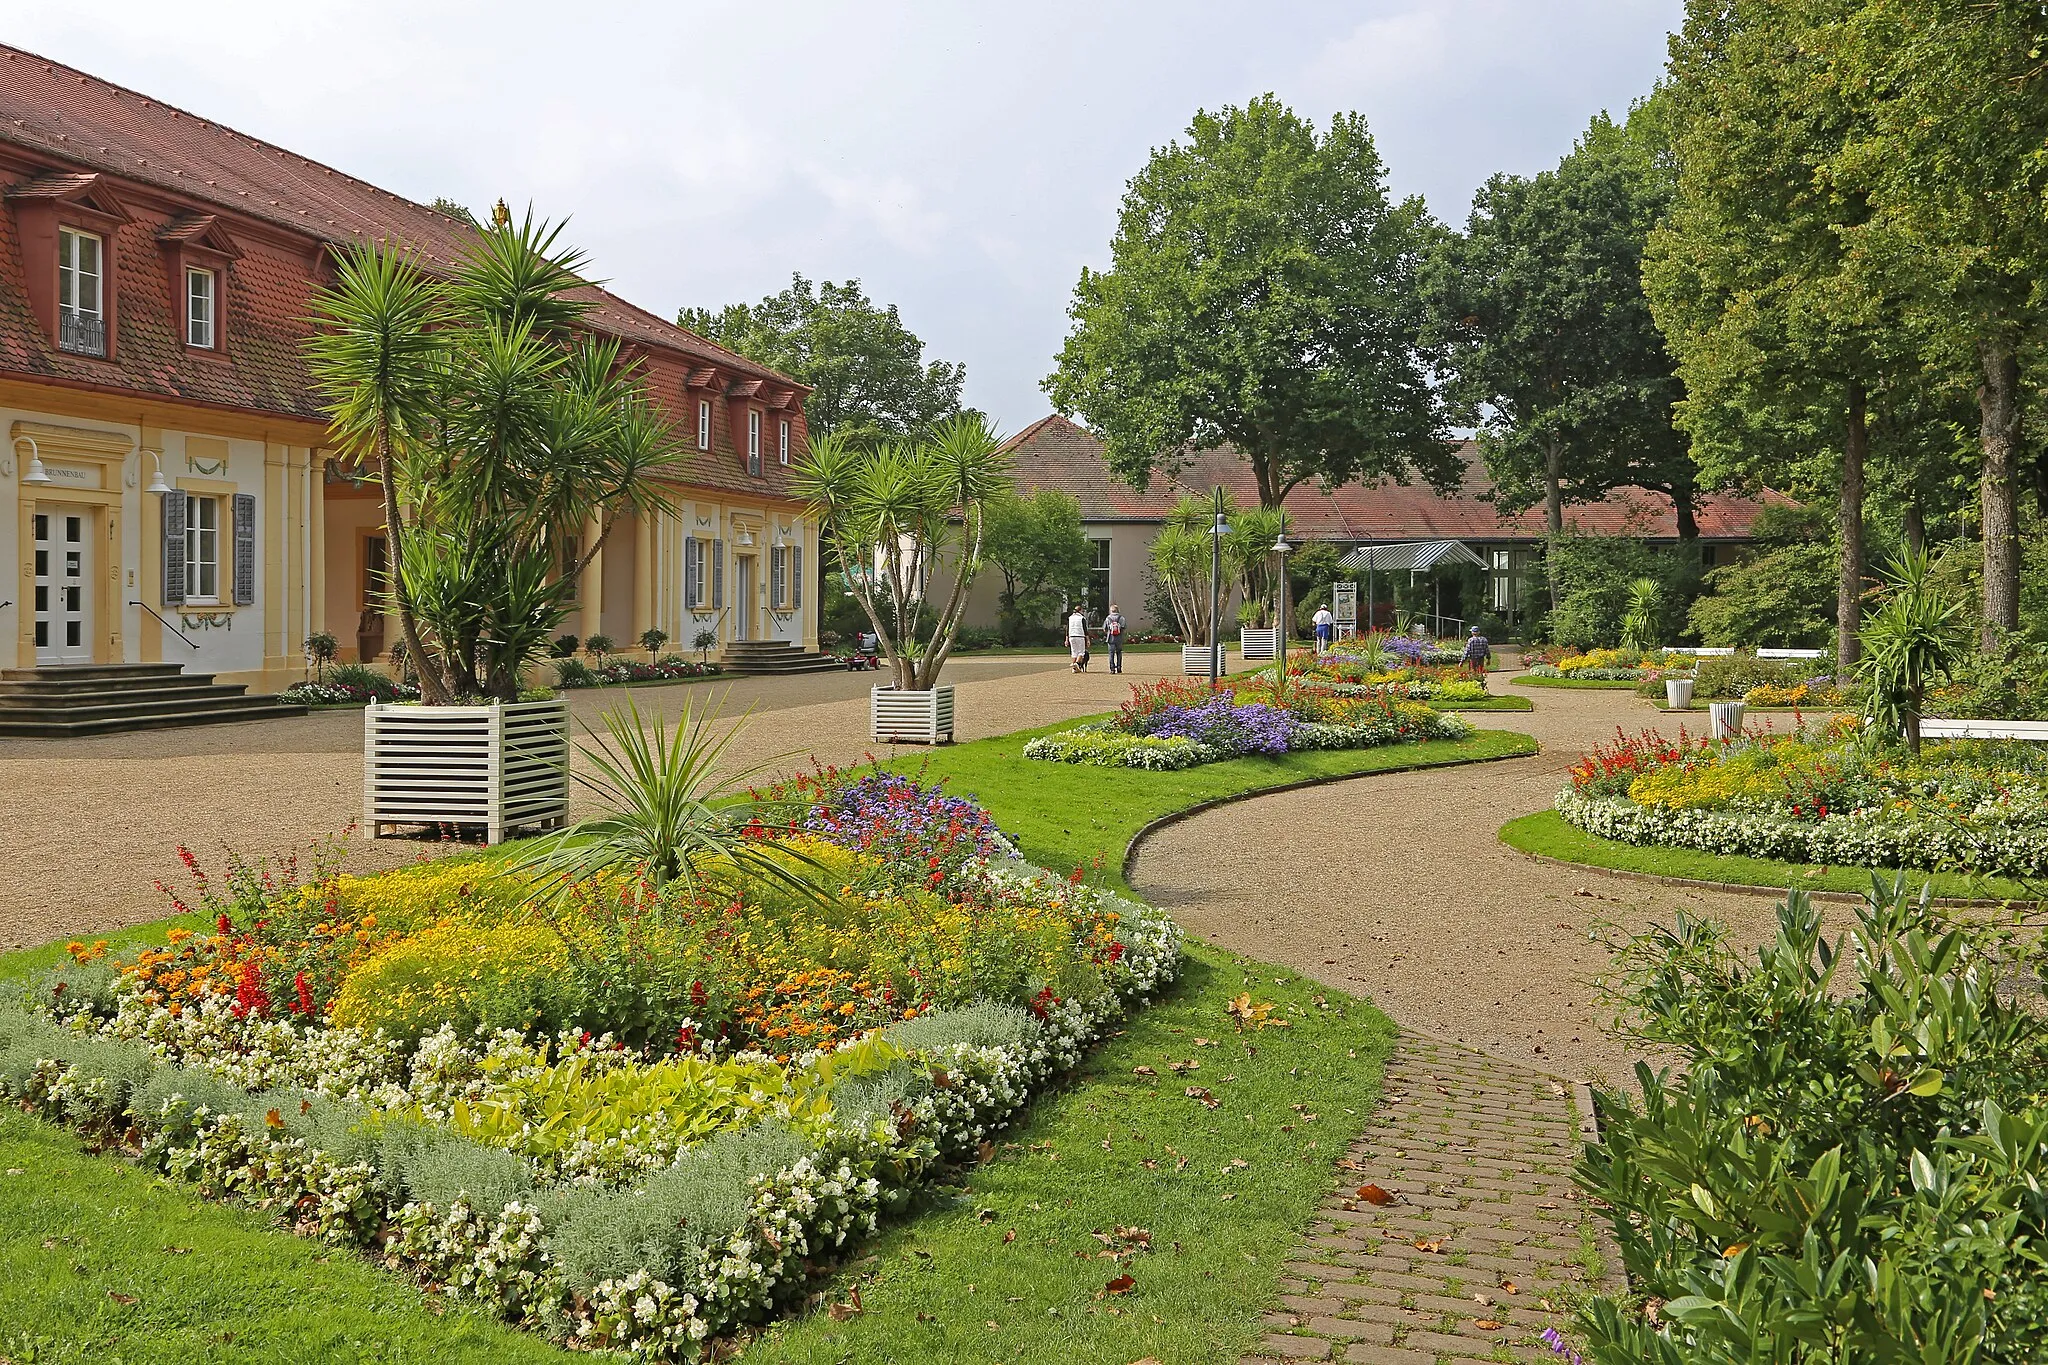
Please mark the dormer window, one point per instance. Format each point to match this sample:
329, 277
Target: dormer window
753, 440
81, 315
201, 298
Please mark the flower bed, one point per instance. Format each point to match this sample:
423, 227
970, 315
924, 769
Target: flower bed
576, 673
1820, 796
346, 694
1174, 724
627, 1118
1615, 665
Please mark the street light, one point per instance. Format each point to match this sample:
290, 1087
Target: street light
35, 475
1282, 549
157, 484
1217, 530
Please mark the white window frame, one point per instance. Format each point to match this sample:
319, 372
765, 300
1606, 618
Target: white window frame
695, 590
194, 337
202, 548
782, 442
704, 424
753, 440
72, 276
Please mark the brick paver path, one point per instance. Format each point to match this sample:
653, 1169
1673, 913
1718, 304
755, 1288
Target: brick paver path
1482, 1248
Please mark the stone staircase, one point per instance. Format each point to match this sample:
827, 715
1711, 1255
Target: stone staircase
96, 699
773, 658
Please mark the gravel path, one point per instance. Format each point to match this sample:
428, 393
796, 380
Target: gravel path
1397, 888
94, 823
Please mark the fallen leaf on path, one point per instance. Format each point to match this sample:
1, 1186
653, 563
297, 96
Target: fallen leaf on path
1489, 1324
1373, 1194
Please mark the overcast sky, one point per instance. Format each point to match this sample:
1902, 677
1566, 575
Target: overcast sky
962, 159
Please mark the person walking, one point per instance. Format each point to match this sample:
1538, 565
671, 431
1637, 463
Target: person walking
1113, 637
1326, 627
1478, 651
1077, 639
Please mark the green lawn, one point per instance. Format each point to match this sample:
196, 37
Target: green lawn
103, 1263
1490, 704
1550, 835
1107, 1147
1608, 684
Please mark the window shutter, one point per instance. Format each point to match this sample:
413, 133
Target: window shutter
245, 549
717, 574
776, 564
174, 548
796, 576
691, 577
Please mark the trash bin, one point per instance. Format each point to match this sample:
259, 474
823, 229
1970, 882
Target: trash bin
1726, 721
1678, 693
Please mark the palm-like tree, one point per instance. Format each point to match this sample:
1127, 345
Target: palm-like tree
894, 513
498, 429
1917, 634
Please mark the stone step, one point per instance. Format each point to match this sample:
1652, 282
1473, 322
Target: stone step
42, 728
102, 698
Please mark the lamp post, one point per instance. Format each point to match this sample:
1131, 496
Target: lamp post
1217, 530
1282, 549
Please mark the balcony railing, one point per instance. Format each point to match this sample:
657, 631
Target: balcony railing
81, 333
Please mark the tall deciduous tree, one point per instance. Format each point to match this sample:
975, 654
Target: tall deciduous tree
1950, 152
1261, 294
867, 371
1552, 349
1039, 548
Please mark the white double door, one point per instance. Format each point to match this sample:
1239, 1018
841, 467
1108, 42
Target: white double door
63, 605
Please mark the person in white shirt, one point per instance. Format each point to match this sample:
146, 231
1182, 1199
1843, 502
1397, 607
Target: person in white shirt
1326, 625
1077, 639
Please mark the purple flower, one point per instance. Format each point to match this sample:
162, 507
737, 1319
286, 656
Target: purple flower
1221, 723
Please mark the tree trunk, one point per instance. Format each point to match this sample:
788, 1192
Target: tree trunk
1998, 404
1849, 593
1553, 509
1916, 525
433, 688
1688, 516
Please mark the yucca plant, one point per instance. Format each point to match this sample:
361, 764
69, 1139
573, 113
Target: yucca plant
893, 513
491, 421
676, 812
1916, 634
1639, 621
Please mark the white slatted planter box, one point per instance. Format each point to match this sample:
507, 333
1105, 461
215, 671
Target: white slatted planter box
1258, 644
504, 767
1932, 727
1194, 661
907, 717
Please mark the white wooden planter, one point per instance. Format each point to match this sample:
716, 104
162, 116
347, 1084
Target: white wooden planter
501, 766
1678, 693
1724, 719
1258, 644
907, 717
1194, 661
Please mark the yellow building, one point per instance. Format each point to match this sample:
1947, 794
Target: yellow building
166, 490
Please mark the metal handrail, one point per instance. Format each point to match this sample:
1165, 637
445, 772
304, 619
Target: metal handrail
167, 625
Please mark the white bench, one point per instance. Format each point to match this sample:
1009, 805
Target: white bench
1791, 654
1700, 651
1932, 728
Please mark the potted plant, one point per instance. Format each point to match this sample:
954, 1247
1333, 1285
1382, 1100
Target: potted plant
1191, 567
496, 427
896, 514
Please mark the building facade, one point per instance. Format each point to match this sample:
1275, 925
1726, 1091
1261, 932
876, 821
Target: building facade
1121, 521
167, 491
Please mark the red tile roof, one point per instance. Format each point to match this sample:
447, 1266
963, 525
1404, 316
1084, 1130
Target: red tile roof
61, 130
1057, 453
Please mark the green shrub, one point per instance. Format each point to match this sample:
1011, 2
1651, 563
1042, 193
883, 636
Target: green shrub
1594, 578
378, 685
1850, 1163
